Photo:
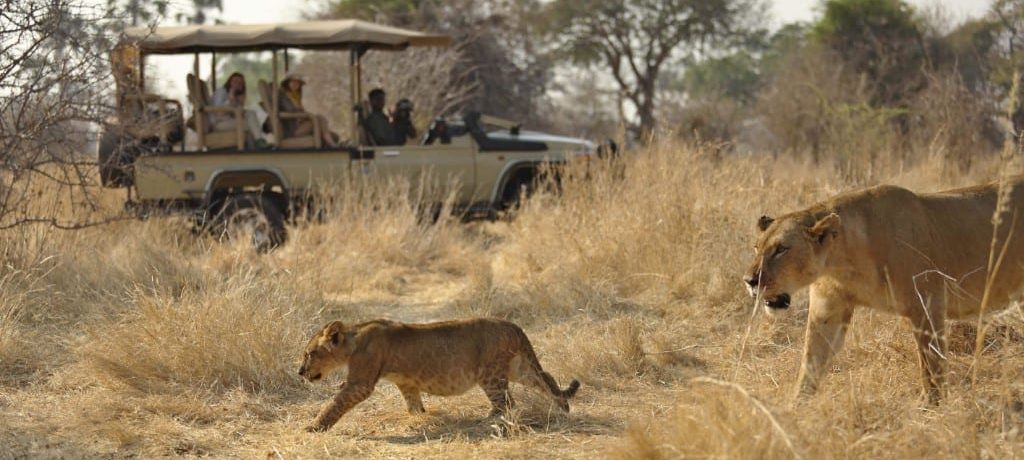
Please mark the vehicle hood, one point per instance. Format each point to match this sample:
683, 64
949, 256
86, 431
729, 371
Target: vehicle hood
544, 137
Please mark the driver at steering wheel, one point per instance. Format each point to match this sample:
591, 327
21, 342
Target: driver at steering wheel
378, 127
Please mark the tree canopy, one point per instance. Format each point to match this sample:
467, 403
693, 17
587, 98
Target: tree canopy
634, 40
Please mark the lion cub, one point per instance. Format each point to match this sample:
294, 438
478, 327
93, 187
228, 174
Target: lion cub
444, 358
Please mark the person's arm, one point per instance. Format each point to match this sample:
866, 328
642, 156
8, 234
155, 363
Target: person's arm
380, 129
220, 97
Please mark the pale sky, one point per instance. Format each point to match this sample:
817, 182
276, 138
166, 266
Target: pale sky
804, 10
251, 11
783, 11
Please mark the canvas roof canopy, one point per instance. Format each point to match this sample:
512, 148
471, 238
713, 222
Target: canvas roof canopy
334, 34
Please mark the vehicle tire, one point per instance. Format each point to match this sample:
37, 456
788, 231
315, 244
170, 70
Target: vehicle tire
254, 217
521, 186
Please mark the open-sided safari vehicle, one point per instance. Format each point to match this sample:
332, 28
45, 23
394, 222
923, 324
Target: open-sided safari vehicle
224, 181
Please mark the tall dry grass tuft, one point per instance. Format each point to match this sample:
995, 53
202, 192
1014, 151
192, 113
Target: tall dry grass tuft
655, 231
1011, 164
717, 422
246, 335
375, 234
16, 353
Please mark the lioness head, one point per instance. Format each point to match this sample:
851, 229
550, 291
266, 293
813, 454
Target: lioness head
790, 253
327, 351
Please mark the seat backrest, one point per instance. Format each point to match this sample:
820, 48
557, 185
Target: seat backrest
267, 103
193, 91
195, 97
199, 96
198, 91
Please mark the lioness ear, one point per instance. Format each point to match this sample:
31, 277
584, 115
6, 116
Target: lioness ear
825, 227
334, 331
764, 222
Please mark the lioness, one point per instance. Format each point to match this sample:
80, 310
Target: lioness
444, 358
922, 256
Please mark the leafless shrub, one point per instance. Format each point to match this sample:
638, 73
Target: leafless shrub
53, 74
711, 119
433, 78
812, 105
953, 122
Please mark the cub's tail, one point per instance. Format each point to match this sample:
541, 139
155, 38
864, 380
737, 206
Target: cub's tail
567, 393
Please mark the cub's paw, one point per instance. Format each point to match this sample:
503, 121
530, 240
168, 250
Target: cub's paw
316, 428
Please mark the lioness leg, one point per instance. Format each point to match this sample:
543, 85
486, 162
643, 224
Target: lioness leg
345, 400
827, 321
929, 323
413, 401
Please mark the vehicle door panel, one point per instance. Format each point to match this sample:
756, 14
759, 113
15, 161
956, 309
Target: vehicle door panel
449, 166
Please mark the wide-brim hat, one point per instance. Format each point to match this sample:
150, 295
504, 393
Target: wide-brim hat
294, 76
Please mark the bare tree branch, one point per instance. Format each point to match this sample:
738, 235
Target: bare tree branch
54, 80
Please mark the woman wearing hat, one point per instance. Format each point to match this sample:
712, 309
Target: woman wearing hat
290, 100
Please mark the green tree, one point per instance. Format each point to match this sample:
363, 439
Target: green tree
735, 76
880, 39
1007, 19
636, 40
199, 9
138, 12
396, 12
739, 75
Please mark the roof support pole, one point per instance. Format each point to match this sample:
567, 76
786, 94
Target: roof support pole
142, 74
274, 95
200, 118
213, 70
195, 65
356, 85
354, 93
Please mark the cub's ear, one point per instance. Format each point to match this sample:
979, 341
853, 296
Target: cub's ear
825, 227
764, 222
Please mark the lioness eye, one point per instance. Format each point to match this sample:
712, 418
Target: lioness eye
780, 250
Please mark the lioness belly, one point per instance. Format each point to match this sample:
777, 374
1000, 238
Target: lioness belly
439, 384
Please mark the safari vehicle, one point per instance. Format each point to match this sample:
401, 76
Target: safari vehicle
222, 183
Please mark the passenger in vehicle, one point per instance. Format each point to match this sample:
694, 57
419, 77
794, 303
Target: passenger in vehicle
290, 100
376, 123
233, 94
401, 122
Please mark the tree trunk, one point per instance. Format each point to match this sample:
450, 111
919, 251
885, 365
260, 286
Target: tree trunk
645, 110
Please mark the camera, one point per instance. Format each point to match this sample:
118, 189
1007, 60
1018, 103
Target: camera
403, 108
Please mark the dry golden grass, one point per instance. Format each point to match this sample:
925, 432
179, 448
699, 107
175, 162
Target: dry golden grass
138, 339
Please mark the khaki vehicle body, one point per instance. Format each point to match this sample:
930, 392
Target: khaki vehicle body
476, 178
487, 162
